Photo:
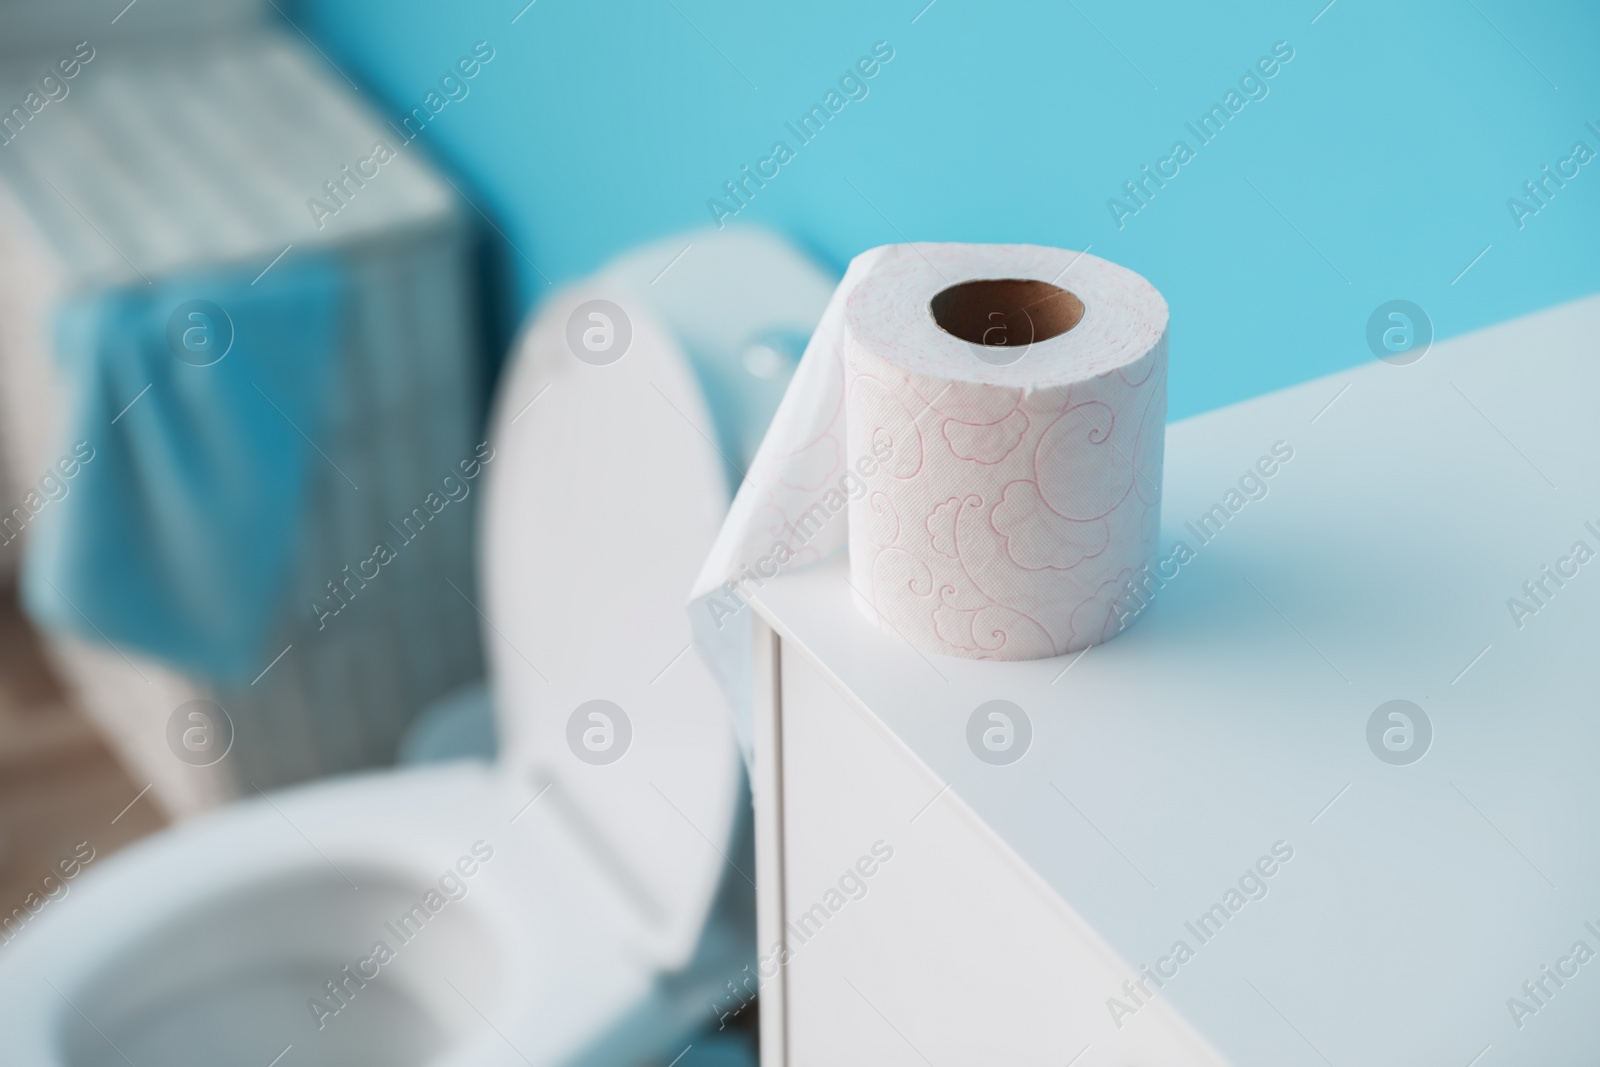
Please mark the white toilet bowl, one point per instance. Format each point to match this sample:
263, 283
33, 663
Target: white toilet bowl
549, 909
206, 945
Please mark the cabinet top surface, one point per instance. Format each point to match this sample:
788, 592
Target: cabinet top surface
1421, 544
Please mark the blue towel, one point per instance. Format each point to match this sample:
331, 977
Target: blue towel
201, 398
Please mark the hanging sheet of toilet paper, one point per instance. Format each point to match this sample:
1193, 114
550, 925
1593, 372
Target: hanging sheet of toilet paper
996, 498
194, 403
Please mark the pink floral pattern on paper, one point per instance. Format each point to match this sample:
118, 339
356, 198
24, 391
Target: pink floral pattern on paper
895, 427
991, 632
1096, 621
1015, 532
1083, 473
985, 443
883, 522
1037, 537
942, 527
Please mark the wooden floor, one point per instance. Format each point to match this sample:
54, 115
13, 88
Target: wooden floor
59, 783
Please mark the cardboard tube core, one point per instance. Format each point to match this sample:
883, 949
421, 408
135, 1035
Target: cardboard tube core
1005, 312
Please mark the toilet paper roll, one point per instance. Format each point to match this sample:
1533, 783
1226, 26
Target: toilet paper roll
986, 422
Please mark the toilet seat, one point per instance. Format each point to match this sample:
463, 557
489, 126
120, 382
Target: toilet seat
78, 974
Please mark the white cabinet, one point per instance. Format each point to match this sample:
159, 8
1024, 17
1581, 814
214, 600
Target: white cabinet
1349, 887
951, 950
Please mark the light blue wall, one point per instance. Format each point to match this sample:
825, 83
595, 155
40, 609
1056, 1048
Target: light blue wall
1390, 145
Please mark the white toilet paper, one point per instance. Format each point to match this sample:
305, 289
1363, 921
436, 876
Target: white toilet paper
987, 422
